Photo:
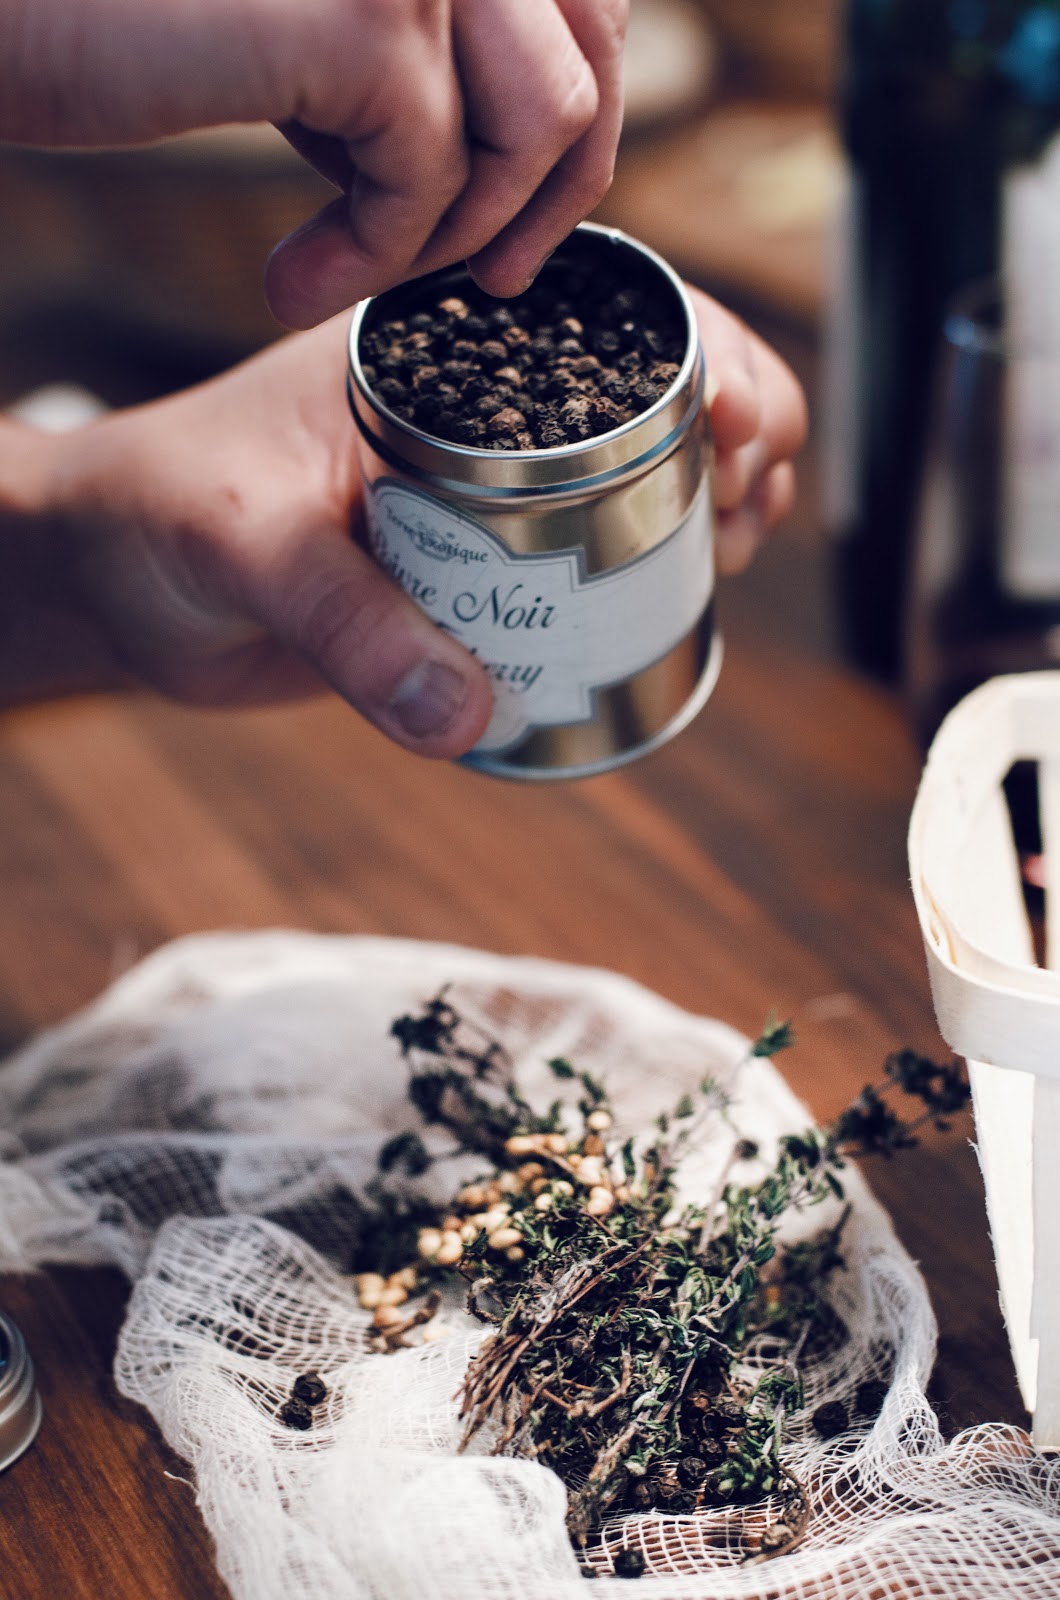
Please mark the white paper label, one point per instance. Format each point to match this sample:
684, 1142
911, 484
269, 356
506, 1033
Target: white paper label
1030, 509
549, 635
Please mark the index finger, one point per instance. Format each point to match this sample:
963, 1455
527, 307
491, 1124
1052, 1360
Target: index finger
405, 155
754, 398
582, 176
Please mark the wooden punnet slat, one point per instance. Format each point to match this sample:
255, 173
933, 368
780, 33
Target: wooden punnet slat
994, 1004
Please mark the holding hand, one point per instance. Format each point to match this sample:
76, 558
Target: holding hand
205, 539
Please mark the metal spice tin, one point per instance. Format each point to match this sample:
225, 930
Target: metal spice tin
581, 575
20, 1406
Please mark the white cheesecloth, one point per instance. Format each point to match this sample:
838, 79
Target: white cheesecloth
208, 1125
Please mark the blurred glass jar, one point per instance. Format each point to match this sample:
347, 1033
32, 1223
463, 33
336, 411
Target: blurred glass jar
984, 596
20, 1405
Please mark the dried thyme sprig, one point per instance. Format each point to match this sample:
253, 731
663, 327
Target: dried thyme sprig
620, 1324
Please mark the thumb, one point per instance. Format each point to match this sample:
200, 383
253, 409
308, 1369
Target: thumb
327, 599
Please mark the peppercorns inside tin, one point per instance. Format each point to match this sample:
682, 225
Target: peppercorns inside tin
536, 474
20, 1406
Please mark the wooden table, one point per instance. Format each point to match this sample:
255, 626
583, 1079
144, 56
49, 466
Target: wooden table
757, 863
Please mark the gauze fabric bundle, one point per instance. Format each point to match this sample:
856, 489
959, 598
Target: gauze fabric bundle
210, 1126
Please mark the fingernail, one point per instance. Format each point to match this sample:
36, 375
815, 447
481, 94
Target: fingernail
537, 270
428, 699
739, 533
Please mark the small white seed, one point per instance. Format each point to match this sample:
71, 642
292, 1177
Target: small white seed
591, 1170
529, 1171
428, 1242
510, 1183
433, 1331
520, 1144
406, 1277
388, 1317
473, 1197
600, 1202
562, 1188
598, 1121
623, 1193
369, 1286
544, 1202
469, 1232
556, 1143
515, 1254
494, 1218
393, 1295
450, 1250
505, 1238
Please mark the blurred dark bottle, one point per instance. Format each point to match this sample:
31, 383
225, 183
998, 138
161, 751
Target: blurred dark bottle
949, 108
984, 580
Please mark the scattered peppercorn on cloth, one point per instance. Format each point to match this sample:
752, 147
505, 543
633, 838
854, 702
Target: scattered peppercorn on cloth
210, 1126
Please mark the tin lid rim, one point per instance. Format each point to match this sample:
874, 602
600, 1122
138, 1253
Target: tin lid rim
21, 1411
564, 487
563, 460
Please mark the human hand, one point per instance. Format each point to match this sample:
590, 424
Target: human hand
759, 422
455, 129
207, 536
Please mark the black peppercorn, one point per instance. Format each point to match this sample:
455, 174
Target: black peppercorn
294, 1414
492, 353
665, 1485
711, 1451
869, 1396
310, 1388
728, 1413
830, 1419
629, 1564
691, 1471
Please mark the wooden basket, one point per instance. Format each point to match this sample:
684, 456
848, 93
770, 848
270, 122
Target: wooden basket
993, 1003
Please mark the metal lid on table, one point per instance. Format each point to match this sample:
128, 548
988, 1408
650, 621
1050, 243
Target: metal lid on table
20, 1406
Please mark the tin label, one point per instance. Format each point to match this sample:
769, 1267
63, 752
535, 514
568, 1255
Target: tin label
549, 635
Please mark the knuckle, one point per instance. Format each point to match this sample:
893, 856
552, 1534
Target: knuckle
593, 179
572, 103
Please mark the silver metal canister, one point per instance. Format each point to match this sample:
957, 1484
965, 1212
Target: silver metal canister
581, 575
20, 1407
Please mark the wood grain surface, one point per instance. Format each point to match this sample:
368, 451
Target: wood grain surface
756, 863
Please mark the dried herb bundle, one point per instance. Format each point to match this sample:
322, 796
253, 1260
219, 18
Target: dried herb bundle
622, 1322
